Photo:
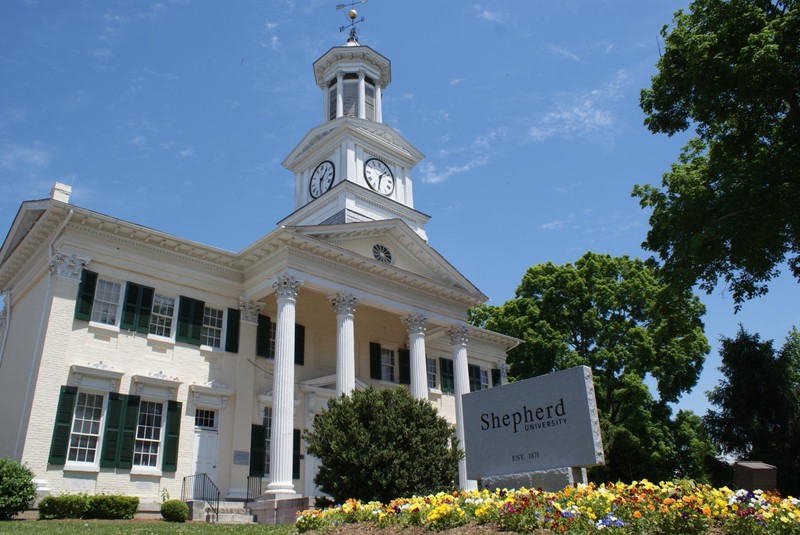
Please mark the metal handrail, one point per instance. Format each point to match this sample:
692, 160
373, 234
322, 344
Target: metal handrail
254, 486
201, 487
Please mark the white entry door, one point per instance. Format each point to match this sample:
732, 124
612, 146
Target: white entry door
205, 453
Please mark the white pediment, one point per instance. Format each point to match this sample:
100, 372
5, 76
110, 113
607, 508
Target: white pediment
409, 252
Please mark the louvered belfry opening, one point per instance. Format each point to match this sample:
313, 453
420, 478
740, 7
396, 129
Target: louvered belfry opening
350, 97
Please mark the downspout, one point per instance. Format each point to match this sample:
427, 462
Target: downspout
6, 325
37, 348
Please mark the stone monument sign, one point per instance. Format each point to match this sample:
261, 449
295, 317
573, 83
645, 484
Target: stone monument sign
537, 424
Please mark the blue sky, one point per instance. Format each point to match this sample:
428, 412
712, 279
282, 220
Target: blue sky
176, 115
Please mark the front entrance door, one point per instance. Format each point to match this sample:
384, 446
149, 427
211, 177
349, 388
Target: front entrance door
205, 453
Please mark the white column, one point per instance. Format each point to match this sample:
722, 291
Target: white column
339, 94
326, 103
458, 337
362, 95
345, 306
416, 343
280, 448
378, 103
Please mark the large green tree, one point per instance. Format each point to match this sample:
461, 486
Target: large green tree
728, 209
758, 404
615, 316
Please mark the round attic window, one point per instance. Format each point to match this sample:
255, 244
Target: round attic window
382, 253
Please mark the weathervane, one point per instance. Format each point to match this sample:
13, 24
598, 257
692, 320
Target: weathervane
353, 16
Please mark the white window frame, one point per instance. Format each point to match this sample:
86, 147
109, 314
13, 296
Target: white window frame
431, 374
154, 317
388, 365
485, 380
222, 328
146, 468
97, 304
268, 417
214, 412
85, 466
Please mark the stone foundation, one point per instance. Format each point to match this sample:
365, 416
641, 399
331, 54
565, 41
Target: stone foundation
549, 480
270, 511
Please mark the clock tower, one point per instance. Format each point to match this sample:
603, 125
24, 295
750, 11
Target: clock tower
353, 167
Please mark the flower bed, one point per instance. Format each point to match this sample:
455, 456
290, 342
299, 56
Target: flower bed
641, 507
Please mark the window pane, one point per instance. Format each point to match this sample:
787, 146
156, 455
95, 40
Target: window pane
267, 435
387, 364
205, 419
148, 434
212, 327
106, 302
431, 365
161, 315
85, 428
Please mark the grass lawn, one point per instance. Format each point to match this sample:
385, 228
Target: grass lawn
109, 527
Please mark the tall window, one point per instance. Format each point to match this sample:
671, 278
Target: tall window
85, 435
448, 379
387, 364
431, 366
106, 302
161, 315
267, 435
484, 379
211, 334
148, 434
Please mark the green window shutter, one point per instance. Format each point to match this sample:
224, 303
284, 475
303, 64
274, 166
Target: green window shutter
232, 331
172, 437
374, 360
129, 420
296, 457
262, 337
448, 381
405, 366
474, 372
299, 344
113, 430
258, 450
85, 299
190, 320
496, 381
137, 307
63, 424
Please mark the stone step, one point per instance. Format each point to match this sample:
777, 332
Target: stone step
234, 518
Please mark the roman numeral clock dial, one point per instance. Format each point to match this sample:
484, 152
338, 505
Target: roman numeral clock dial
378, 176
321, 178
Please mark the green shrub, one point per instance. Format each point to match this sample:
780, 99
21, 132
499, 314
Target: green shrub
111, 507
174, 511
17, 490
380, 444
64, 506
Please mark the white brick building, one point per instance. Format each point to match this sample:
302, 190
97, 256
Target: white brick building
131, 359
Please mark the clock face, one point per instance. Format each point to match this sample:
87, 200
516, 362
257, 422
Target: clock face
321, 179
379, 176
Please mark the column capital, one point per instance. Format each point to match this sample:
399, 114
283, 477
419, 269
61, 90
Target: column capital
361, 74
344, 303
67, 266
339, 75
415, 323
250, 310
286, 287
458, 335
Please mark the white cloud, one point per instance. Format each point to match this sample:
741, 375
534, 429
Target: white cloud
456, 81
587, 114
431, 174
16, 157
563, 52
486, 14
554, 225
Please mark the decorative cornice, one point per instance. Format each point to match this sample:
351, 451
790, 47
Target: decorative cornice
458, 335
344, 303
250, 310
286, 287
67, 266
415, 323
